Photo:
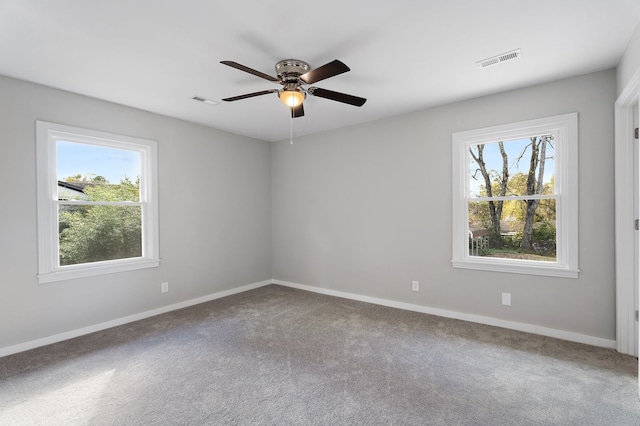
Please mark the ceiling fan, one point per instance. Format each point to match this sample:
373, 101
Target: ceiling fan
293, 75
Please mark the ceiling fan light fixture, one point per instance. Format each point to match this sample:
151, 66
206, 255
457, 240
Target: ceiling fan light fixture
291, 98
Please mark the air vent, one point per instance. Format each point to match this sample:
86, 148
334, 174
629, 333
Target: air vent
499, 59
204, 100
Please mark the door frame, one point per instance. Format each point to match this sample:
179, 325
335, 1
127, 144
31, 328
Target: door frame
624, 217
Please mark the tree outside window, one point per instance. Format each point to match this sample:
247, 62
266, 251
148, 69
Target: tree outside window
514, 185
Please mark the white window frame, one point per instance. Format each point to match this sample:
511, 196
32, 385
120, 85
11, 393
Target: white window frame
565, 129
49, 269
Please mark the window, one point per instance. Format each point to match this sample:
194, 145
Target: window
97, 202
515, 197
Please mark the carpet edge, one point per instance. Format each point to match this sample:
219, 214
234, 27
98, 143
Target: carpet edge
512, 325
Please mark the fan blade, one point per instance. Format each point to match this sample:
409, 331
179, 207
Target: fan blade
331, 69
249, 70
336, 96
250, 95
297, 111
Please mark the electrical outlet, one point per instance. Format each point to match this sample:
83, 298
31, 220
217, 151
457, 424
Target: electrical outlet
164, 287
415, 285
506, 299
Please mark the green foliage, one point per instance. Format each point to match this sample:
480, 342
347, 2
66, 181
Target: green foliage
545, 231
92, 233
75, 178
103, 191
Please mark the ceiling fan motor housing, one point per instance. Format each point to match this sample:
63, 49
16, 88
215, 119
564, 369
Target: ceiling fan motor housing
289, 70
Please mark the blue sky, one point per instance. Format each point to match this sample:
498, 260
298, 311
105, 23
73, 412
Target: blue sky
114, 164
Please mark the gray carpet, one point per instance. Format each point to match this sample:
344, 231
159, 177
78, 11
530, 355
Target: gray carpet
279, 356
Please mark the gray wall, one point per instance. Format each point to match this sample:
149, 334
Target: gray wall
367, 209
215, 224
630, 62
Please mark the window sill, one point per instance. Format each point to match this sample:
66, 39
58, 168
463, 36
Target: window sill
515, 267
99, 268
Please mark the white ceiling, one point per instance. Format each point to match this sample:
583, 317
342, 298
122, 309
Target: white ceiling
404, 55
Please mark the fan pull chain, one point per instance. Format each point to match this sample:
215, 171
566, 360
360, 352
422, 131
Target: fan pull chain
291, 141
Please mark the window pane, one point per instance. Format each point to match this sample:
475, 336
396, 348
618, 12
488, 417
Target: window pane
515, 229
97, 173
514, 167
97, 233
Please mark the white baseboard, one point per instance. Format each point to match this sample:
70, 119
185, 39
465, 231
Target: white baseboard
528, 328
32, 344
